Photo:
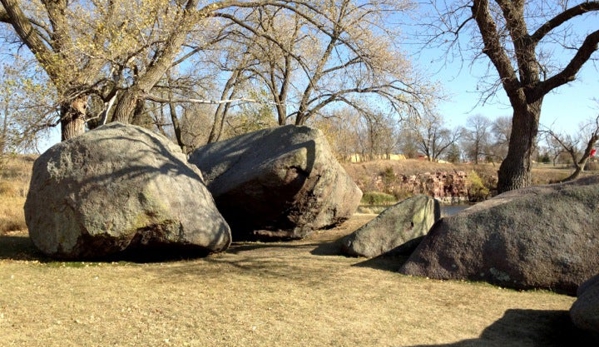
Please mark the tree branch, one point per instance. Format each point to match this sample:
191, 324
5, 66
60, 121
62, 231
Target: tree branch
568, 74
493, 48
13, 15
564, 17
159, 99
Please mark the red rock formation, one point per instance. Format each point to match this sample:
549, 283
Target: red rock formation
447, 187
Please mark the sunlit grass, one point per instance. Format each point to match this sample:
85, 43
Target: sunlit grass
15, 174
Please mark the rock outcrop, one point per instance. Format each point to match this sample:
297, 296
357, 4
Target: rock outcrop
117, 188
585, 310
398, 224
279, 183
542, 237
447, 187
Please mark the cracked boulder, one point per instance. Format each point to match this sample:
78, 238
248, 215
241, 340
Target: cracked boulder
542, 237
121, 188
280, 183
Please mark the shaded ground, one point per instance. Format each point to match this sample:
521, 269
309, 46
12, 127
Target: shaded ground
263, 294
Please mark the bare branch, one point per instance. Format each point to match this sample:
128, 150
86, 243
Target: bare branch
568, 74
563, 17
156, 98
493, 47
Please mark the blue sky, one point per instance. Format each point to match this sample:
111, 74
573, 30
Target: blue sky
565, 108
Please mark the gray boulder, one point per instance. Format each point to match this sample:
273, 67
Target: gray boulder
398, 224
279, 183
117, 188
541, 237
585, 310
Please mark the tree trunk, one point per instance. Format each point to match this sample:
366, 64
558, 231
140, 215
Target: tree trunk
177, 127
140, 117
72, 118
125, 107
579, 169
515, 170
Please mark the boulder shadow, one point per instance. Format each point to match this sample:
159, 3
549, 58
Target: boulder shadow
387, 261
20, 248
519, 327
393, 259
328, 248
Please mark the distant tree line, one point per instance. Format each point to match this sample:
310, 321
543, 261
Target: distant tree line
356, 137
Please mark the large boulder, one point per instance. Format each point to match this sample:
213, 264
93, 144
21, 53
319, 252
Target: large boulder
585, 310
277, 183
398, 224
540, 237
118, 188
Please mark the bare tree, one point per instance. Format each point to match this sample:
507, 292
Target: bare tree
350, 57
517, 37
343, 129
555, 149
431, 137
501, 130
22, 118
579, 147
120, 50
100, 48
476, 137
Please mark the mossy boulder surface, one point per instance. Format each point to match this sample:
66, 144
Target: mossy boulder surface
401, 223
117, 188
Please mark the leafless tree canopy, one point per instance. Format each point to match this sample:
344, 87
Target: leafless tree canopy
578, 146
532, 48
147, 61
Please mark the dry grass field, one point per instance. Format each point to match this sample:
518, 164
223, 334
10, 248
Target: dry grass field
263, 294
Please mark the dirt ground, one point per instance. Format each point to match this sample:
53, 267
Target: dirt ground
264, 294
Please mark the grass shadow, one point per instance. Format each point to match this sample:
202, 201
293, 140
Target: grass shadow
237, 248
393, 259
520, 327
330, 248
388, 261
19, 247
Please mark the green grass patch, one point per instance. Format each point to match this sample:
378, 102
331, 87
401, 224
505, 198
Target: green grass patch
378, 198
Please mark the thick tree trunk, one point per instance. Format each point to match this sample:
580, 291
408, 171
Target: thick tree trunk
579, 169
281, 114
515, 170
125, 107
72, 118
140, 117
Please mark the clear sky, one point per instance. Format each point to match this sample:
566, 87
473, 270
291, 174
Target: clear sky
563, 109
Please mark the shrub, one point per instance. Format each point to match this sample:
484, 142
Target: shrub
378, 198
388, 176
592, 166
402, 194
477, 190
